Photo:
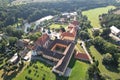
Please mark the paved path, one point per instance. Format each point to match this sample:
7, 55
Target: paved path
83, 45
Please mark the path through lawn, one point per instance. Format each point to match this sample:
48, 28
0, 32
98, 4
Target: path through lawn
102, 68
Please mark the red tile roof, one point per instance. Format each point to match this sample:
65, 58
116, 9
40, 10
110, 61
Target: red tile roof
67, 34
42, 39
71, 26
31, 47
75, 23
82, 56
72, 32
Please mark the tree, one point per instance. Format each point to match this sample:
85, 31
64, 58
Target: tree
49, 32
13, 32
106, 33
105, 77
18, 33
104, 46
62, 29
12, 40
110, 19
96, 33
107, 59
29, 71
93, 71
34, 36
9, 30
2, 46
119, 64
84, 35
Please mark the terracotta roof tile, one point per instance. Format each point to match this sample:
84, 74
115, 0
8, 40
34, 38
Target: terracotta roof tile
67, 34
82, 56
42, 39
75, 23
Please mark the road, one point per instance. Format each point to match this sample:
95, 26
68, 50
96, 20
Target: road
83, 45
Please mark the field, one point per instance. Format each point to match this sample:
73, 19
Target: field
93, 14
57, 26
102, 68
36, 71
79, 71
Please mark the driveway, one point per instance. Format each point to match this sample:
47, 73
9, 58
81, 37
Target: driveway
83, 45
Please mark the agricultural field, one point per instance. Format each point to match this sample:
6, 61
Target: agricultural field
93, 14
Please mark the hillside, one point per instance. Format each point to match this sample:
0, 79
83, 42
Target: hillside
5, 2
94, 1
16, 2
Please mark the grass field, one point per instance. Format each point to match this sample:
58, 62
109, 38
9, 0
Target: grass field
36, 73
93, 14
79, 71
98, 56
57, 26
90, 33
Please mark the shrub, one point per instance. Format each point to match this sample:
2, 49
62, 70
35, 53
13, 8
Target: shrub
29, 71
107, 59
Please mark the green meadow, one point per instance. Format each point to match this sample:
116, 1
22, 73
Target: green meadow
93, 14
79, 71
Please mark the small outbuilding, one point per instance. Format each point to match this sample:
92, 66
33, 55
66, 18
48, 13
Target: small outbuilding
115, 31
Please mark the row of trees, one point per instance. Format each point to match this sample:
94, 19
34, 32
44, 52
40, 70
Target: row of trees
109, 20
113, 53
104, 46
11, 31
84, 25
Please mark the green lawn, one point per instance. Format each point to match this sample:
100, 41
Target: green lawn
93, 14
102, 68
91, 33
57, 26
37, 73
79, 71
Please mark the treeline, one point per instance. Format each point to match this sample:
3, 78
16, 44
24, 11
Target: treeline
111, 53
4, 3
109, 20
33, 11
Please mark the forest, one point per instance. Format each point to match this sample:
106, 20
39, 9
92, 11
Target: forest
110, 19
33, 11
